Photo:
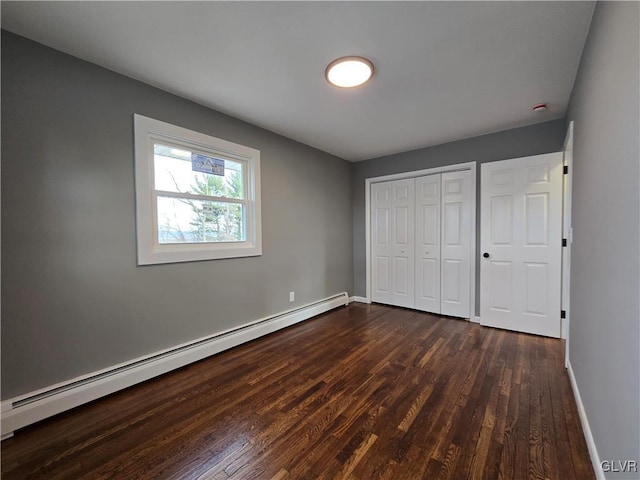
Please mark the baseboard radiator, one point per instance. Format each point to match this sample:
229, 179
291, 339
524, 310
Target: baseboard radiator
35, 406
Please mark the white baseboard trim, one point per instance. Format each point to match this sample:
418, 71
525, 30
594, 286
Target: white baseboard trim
359, 299
586, 428
474, 319
26, 409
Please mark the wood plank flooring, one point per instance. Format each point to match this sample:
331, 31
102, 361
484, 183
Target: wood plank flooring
362, 392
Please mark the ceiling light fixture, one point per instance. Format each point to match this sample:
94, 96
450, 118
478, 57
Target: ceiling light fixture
348, 72
539, 107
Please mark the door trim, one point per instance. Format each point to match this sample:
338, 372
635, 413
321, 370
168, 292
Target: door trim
567, 232
420, 173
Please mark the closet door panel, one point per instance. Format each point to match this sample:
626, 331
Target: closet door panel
428, 243
456, 243
403, 243
381, 235
392, 234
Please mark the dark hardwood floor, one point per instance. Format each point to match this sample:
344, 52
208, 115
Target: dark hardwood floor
361, 392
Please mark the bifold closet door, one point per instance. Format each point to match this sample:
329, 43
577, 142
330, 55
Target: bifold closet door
427, 191
421, 243
392, 232
455, 250
443, 243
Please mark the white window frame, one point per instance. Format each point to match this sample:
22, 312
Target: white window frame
150, 251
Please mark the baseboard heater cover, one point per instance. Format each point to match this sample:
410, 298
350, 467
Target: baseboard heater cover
35, 406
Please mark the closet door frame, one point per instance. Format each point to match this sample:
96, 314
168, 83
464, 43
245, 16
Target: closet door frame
471, 166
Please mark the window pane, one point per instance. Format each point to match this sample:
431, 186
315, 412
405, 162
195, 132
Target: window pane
183, 171
183, 220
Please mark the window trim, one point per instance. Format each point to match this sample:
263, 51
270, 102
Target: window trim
150, 251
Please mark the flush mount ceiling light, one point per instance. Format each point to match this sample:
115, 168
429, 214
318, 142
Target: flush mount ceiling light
348, 72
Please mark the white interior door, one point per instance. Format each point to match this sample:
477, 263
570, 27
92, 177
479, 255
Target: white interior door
456, 246
427, 287
521, 233
393, 247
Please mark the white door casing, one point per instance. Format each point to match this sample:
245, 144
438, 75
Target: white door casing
393, 242
521, 238
456, 244
428, 206
567, 233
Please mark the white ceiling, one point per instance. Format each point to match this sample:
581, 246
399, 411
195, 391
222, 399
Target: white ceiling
444, 70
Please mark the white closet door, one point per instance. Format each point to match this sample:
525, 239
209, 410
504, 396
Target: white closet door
393, 242
521, 222
456, 244
427, 291
402, 242
381, 233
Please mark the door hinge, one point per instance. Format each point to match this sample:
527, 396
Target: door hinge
563, 314
565, 169
564, 242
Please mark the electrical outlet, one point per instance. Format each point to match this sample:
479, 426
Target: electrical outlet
292, 296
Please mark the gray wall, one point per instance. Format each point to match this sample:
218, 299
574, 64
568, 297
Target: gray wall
73, 299
519, 142
605, 275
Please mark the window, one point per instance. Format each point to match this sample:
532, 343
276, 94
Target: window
197, 196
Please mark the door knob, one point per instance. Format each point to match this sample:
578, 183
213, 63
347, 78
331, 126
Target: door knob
485, 254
